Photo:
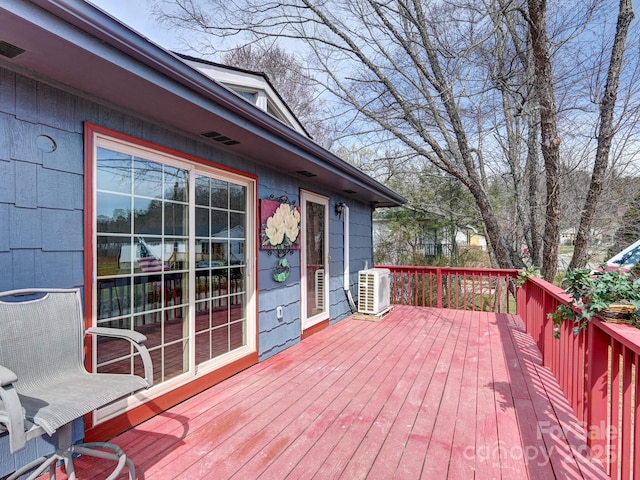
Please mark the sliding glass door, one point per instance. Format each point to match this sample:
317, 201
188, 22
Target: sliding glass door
172, 261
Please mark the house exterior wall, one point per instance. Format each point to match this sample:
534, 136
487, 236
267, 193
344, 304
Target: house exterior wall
42, 203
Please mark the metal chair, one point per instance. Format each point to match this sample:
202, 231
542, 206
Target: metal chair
44, 385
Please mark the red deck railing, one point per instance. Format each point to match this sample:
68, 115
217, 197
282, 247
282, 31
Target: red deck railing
597, 369
473, 289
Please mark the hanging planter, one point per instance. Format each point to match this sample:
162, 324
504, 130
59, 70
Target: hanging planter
610, 294
619, 313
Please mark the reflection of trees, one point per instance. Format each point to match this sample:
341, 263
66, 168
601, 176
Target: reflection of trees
119, 222
149, 220
152, 219
146, 176
159, 196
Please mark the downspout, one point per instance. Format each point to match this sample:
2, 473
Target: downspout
345, 251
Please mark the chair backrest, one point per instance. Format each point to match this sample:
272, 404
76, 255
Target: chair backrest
41, 335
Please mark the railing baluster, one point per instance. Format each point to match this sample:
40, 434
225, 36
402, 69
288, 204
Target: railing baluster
464, 292
439, 287
616, 386
597, 419
636, 420
473, 292
627, 362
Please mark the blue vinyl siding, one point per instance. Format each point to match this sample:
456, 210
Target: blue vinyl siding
42, 207
42, 199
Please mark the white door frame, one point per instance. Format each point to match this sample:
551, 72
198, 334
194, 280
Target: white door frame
320, 279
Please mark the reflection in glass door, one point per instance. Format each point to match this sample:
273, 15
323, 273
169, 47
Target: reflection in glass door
315, 272
142, 253
220, 312
171, 262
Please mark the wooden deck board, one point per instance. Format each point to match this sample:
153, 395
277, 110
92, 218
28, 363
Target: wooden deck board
423, 393
392, 425
537, 459
380, 402
442, 437
277, 396
486, 409
465, 429
328, 415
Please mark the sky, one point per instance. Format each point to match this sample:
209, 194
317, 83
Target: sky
136, 14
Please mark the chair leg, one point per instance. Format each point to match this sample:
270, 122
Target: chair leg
96, 449
91, 450
68, 466
40, 465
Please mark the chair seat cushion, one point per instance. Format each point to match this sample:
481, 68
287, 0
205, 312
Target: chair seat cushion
57, 404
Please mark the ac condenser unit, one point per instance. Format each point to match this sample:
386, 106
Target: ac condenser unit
374, 290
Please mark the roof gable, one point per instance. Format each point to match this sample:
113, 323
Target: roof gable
254, 87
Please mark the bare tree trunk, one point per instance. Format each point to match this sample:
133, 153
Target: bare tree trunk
549, 129
502, 254
605, 134
526, 183
532, 166
533, 151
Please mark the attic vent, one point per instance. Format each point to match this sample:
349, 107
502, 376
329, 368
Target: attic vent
305, 173
218, 137
10, 51
351, 192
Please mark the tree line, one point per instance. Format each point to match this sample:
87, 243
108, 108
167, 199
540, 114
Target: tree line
530, 106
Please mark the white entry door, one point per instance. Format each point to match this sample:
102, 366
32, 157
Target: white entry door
315, 258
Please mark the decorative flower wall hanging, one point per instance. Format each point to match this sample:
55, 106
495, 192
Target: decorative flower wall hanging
280, 225
280, 232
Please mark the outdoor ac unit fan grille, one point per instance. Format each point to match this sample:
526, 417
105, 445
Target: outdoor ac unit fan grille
373, 290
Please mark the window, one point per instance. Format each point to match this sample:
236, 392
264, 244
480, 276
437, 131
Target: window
250, 96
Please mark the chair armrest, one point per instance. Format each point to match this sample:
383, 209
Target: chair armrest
7, 377
137, 339
11, 413
131, 335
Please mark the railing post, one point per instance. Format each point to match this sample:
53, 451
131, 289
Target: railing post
597, 360
439, 286
521, 298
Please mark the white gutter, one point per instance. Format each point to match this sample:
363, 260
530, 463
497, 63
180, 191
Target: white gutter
345, 219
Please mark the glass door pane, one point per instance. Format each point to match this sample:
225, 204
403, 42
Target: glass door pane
172, 244
315, 249
221, 225
142, 250
314, 259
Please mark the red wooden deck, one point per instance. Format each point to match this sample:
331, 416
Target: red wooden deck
423, 393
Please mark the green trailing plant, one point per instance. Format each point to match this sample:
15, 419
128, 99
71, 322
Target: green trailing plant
525, 273
592, 292
579, 281
562, 313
